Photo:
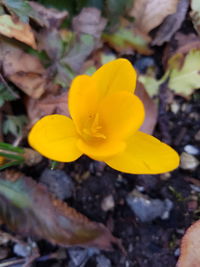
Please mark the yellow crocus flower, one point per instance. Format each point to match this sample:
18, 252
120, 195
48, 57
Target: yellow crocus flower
104, 125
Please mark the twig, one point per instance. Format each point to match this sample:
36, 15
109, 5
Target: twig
11, 262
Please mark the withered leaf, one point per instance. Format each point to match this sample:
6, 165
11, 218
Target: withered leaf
190, 250
80, 49
47, 105
151, 111
89, 21
185, 43
149, 14
182, 45
47, 17
30, 210
50, 41
17, 29
127, 38
171, 24
23, 69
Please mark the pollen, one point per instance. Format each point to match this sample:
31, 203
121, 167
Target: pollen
93, 129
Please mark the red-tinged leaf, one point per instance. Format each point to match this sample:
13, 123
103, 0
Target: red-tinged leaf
190, 249
151, 111
30, 210
182, 45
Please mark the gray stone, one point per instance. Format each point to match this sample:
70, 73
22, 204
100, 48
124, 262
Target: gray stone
192, 150
108, 203
58, 183
80, 256
22, 250
103, 261
147, 209
188, 162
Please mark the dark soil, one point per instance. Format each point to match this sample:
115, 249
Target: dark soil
154, 243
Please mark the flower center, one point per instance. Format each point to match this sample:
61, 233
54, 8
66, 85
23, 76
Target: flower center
93, 130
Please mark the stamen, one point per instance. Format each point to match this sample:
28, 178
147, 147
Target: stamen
93, 127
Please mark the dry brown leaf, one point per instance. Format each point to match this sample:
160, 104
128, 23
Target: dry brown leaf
149, 14
182, 45
185, 43
171, 24
89, 21
45, 217
151, 111
47, 105
23, 69
190, 249
48, 17
13, 28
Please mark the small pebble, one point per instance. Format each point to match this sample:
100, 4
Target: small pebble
175, 107
58, 183
140, 188
194, 115
188, 162
192, 150
165, 176
195, 188
147, 209
103, 261
192, 205
108, 203
80, 256
22, 250
168, 207
184, 107
177, 252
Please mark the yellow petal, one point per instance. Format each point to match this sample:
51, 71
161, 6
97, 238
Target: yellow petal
121, 114
83, 100
117, 75
102, 150
144, 154
55, 137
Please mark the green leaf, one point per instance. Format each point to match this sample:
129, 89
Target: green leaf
151, 84
2, 12
69, 5
124, 39
184, 80
118, 7
71, 62
6, 94
19, 7
14, 125
9, 147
